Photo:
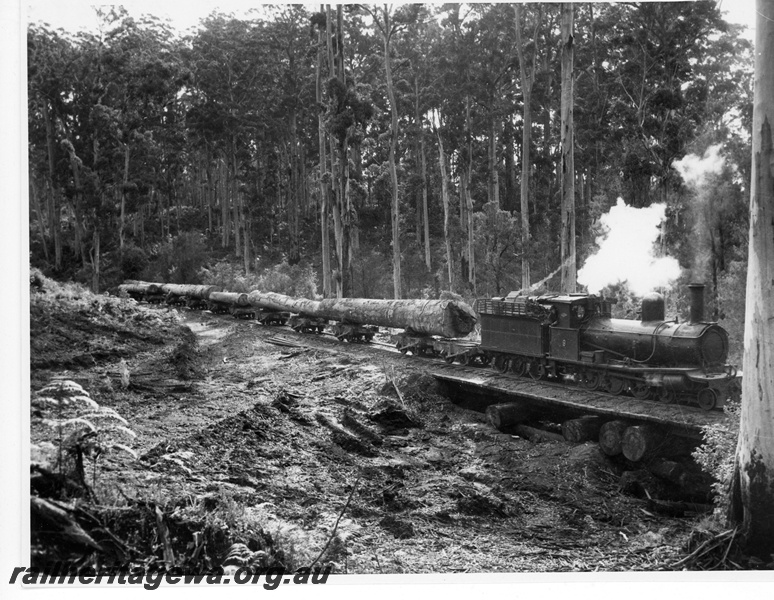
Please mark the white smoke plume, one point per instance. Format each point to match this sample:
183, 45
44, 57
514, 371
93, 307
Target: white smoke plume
694, 169
627, 252
697, 173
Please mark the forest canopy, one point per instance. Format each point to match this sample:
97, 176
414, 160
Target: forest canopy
340, 141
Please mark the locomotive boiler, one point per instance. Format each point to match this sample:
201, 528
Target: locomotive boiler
575, 336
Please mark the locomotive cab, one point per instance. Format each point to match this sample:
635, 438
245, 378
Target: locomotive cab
566, 315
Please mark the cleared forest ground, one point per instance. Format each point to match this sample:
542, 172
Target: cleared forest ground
256, 435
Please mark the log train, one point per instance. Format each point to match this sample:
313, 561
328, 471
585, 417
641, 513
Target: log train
553, 336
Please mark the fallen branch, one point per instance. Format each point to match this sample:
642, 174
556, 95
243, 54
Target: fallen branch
336, 525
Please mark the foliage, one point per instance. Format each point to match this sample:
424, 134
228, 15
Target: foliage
179, 260
78, 429
139, 139
731, 293
133, 261
292, 280
716, 455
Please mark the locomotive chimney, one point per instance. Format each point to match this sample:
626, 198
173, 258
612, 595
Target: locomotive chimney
697, 302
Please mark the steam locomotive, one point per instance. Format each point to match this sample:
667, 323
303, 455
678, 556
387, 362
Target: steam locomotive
573, 336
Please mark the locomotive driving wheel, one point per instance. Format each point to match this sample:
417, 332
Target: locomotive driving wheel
614, 385
537, 370
519, 366
591, 380
640, 390
707, 398
501, 364
667, 396
464, 359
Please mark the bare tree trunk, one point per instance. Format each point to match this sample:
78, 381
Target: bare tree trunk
225, 219
396, 282
494, 175
568, 272
753, 485
39, 214
445, 201
293, 207
53, 192
95, 260
527, 80
425, 208
325, 175
122, 216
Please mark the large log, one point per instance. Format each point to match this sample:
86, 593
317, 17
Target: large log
502, 416
582, 430
230, 298
642, 441
610, 436
140, 287
446, 318
537, 436
189, 290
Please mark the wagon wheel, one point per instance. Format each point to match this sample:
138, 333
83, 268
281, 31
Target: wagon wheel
707, 398
591, 380
667, 396
615, 385
502, 364
401, 349
519, 366
485, 359
448, 358
537, 370
640, 390
464, 359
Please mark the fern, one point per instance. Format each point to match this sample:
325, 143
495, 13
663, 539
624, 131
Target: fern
83, 429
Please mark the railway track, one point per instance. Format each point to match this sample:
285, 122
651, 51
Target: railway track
478, 387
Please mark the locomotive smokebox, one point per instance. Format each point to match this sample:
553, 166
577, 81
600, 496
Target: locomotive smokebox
697, 302
653, 307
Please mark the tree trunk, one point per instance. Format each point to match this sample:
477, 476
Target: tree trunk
753, 484
232, 298
396, 282
53, 192
494, 175
39, 214
568, 273
527, 79
425, 209
325, 241
191, 290
447, 318
122, 216
95, 259
445, 201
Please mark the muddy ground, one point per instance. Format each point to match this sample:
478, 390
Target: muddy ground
302, 448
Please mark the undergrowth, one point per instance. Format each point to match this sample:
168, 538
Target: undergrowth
716, 456
299, 281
